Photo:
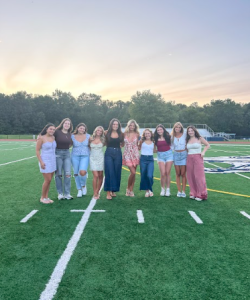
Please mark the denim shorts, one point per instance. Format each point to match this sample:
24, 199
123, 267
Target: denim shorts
180, 158
165, 156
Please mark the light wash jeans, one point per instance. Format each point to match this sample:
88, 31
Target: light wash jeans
63, 164
80, 162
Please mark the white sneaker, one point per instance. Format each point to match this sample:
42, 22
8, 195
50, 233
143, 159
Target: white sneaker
79, 194
84, 190
68, 197
191, 197
183, 195
162, 192
179, 194
167, 192
60, 197
198, 199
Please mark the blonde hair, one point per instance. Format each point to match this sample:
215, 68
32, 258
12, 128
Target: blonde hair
126, 131
143, 138
102, 137
173, 130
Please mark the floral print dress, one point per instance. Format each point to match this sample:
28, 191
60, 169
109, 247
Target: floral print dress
131, 156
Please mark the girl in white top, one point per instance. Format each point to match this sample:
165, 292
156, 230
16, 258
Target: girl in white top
96, 143
178, 145
195, 166
146, 146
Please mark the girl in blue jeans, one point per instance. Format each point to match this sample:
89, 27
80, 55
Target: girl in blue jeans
147, 162
80, 157
63, 165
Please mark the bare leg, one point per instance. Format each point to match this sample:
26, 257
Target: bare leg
95, 183
184, 178
131, 179
167, 172
178, 177
100, 180
163, 173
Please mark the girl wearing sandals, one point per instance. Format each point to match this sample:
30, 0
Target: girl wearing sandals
114, 140
164, 157
146, 145
178, 141
80, 157
96, 143
131, 156
47, 158
195, 166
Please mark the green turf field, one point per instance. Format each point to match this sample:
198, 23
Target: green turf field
169, 256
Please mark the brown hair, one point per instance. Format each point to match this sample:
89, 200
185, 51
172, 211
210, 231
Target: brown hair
196, 133
79, 125
60, 126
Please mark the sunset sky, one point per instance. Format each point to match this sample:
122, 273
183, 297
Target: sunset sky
187, 50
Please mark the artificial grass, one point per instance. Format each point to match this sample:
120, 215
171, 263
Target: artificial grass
168, 257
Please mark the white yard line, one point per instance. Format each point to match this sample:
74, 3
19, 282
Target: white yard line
245, 214
242, 175
56, 277
12, 162
212, 164
83, 210
31, 214
140, 216
195, 217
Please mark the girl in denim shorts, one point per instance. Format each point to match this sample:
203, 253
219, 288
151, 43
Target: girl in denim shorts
178, 139
164, 157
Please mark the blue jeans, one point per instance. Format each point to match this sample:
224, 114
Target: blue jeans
79, 163
113, 169
63, 164
147, 172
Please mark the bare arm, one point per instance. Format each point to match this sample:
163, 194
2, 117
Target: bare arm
38, 148
207, 146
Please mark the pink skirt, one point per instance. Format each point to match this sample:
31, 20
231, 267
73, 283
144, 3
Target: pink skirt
196, 176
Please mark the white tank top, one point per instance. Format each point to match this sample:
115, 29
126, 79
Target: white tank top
147, 149
194, 148
179, 143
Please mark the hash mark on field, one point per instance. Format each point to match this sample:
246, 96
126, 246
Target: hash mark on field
195, 217
242, 175
31, 214
245, 214
83, 210
56, 277
140, 216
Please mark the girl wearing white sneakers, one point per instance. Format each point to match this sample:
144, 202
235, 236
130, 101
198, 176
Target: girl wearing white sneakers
165, 159
80, 157
178, 141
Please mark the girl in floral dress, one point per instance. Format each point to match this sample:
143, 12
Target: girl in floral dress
131, 157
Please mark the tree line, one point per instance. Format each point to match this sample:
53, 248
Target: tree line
22, 113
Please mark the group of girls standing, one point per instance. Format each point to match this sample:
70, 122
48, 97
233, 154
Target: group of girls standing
184, 150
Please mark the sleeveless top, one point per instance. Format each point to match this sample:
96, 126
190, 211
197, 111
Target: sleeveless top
80, 148
194, 148
96, 157
114, 142
179, 143
162, 146
131, 156
147, 149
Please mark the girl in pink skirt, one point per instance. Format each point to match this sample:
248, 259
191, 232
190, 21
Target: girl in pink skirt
131, 156
195, 166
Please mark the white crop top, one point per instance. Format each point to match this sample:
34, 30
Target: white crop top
179, 143
194, 148
147, 149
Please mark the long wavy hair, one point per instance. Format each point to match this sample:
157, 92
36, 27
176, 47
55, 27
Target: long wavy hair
126, 131
60, 126
102, 137
119, 130
79, 125
173, 130
166, 134
143, 137
196, 133
44, 130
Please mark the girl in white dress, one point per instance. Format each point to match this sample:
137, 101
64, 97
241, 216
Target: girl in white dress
96, 143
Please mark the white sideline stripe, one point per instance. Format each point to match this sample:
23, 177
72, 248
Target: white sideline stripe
245, 214
242, 175
140, 216
31, 214
56, 277
83, 210
195, 217
211, 164
12, 162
